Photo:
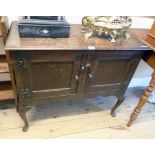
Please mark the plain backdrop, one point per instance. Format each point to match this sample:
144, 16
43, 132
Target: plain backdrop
137, 22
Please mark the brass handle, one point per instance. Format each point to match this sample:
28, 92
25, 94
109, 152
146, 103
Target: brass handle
82, 68
76, 77
88, 65
90, 76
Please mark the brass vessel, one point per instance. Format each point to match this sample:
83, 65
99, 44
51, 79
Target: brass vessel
111, 27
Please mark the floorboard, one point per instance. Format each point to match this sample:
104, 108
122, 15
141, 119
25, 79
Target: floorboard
88, 118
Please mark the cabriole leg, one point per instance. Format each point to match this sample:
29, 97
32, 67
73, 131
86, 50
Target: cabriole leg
120, 100
22, 113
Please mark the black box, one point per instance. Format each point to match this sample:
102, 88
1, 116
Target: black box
45, 17
37, 28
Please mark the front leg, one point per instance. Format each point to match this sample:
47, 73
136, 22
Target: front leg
22, 113
120, 100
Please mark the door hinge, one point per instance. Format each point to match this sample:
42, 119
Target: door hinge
20, 65
25, 93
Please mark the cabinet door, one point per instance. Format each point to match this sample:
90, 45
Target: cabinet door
110, 71
46, 74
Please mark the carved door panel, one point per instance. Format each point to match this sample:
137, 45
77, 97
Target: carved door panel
110, 70
45, 74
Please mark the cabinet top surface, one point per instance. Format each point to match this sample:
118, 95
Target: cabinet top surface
74, 42
145, 38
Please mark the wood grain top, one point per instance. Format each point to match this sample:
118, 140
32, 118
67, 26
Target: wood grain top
74, 42
142, 35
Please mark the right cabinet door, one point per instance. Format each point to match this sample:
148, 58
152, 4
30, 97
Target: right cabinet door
110, 71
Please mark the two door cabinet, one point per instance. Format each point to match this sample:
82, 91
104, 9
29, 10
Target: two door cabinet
43, 70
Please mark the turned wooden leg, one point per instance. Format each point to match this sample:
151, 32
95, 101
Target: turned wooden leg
120, 100
142, 100
22, 113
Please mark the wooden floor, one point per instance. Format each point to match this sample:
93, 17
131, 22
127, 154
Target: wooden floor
80, 119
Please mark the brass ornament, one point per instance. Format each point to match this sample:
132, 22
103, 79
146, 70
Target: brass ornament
111, 27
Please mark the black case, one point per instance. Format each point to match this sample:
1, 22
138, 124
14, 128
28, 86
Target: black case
44, 17
43, 28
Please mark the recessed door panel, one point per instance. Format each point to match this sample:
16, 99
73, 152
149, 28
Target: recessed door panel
49, 73
107, 70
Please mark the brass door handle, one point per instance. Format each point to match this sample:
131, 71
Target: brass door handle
76, 77
90, 76
82, 68
88, 65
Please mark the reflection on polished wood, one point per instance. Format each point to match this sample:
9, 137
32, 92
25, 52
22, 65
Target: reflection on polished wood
74, 42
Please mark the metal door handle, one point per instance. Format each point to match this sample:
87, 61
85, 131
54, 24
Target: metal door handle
76, 77
88, 65
82, 68
90, 76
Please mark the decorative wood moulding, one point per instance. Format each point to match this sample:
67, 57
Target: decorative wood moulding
25, 93
20, 65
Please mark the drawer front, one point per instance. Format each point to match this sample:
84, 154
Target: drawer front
46, 74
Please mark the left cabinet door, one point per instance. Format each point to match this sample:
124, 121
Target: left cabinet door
41, 74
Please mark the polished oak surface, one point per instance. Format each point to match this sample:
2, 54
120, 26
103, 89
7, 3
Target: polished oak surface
142, 35
75, 42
